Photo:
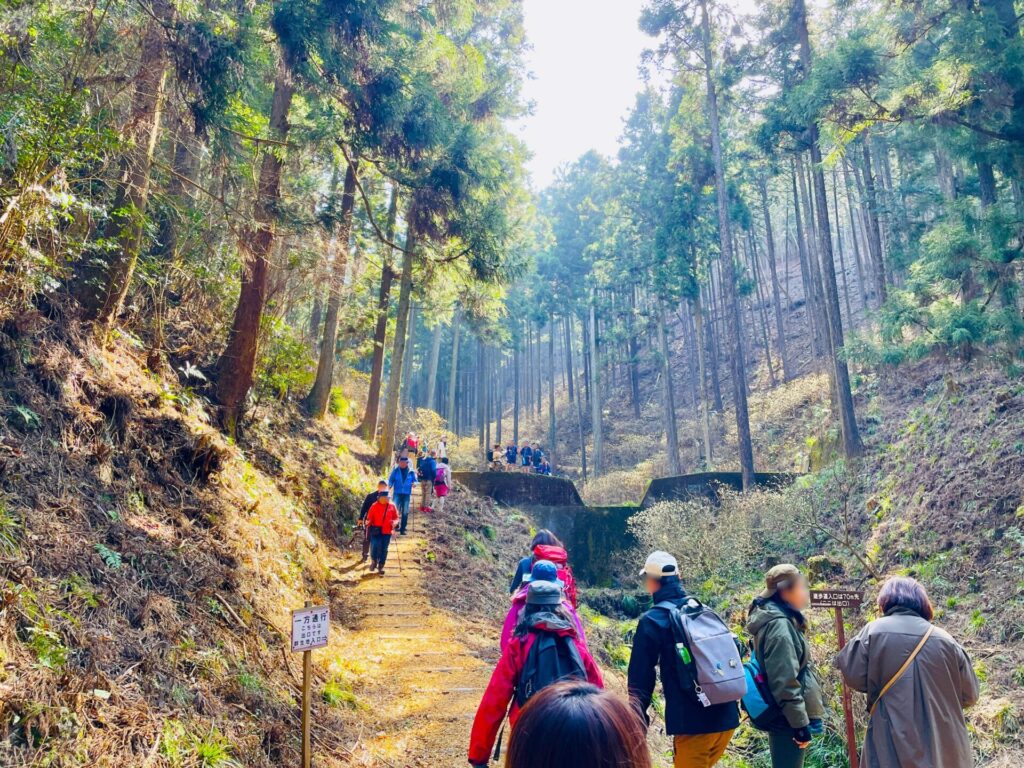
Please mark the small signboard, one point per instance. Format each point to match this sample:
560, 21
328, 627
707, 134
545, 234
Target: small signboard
310, 627
836, 598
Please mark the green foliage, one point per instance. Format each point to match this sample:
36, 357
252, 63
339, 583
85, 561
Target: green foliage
111, 558
48, 647
10, 531
286, 366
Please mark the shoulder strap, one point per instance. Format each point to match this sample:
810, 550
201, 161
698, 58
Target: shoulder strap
901, 670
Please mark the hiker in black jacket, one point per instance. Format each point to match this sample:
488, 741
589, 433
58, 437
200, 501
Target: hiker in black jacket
372, 496
700, 734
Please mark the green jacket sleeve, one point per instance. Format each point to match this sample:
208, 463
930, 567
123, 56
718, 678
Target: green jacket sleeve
782, 670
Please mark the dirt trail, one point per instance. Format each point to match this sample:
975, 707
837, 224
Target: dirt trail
421, 682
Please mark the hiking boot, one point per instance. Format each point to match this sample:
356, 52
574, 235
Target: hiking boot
381, 570
373, 566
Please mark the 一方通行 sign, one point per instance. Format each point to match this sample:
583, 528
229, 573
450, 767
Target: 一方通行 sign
310, 627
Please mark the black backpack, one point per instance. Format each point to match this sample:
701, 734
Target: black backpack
552, 658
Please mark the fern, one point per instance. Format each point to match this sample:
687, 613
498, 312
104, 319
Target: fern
111, 557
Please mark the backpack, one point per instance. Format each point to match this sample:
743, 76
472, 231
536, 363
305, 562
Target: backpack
709, 664
758, 702
552, 658
439, 477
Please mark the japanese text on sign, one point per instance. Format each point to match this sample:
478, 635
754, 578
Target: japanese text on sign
310, 627
836, 598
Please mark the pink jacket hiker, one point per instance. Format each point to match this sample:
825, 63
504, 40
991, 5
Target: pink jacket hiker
519, 602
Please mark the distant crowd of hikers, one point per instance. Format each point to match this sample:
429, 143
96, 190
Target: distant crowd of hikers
512, 458
917, 678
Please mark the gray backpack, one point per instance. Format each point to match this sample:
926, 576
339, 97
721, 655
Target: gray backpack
708, 658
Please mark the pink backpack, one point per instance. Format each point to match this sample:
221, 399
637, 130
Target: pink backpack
440, 477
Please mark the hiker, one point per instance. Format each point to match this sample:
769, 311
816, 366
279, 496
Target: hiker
543, 536
543, 570
380, 520
544, 650
778, 629
544, 468
556, 554
412, 442
511, 454
538, 455
577, 725
442, 447
442, 482
526, 456
371, 497
700, 734
918, 681
400, 482
495, 458
426, 471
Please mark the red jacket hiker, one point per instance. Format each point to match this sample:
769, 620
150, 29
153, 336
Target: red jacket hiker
560, 558
383, 514
502, 687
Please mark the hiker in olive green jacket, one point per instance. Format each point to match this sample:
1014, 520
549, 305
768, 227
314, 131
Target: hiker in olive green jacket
918, 681
777, 628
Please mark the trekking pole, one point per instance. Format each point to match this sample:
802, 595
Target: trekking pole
398, 555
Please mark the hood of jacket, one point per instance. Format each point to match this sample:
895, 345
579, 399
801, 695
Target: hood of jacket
545, 621
556, 555
764, 611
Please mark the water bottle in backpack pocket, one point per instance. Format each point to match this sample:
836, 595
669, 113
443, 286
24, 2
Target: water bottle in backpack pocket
710, 667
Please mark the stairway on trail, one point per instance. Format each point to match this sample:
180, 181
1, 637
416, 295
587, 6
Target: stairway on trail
417, 680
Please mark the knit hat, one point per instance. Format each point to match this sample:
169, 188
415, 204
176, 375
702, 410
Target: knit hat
544, 593
779, 577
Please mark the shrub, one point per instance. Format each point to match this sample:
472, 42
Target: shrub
285, 365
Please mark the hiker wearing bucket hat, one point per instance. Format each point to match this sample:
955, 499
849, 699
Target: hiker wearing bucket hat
700, 732
544, 649
543, 570
778, 629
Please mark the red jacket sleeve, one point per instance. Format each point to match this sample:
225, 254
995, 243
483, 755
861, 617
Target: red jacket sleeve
593, 671
494, 705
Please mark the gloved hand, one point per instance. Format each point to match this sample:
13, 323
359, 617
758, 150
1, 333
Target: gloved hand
802, 737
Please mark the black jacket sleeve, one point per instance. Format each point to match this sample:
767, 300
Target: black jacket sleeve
367, 503
643, 663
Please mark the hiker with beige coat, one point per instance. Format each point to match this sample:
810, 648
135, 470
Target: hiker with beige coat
918, 681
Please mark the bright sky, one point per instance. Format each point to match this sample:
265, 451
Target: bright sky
584, 63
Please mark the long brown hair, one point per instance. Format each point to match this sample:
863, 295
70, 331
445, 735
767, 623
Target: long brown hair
577, 725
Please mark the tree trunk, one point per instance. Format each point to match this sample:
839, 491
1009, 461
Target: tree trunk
237, 363
852, 446
453, 379
780, 327
817, 302
633, 349
668, 395
320, 395
410, 353
874, 230
595, 386
705, 418
566, 325
735, 324
435, 358
762, 301
712, 347
515, 394
390, 423
839, 247
861, 284
481, 394
552, 425
102, 283
387, 276
579, 418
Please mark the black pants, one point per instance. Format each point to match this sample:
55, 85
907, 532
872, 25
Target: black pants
366, 542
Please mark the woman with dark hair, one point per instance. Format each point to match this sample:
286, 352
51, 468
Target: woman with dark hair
520, 674
778, 629
543, 537
577, 725
918, 681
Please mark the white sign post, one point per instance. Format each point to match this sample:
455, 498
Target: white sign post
310, 629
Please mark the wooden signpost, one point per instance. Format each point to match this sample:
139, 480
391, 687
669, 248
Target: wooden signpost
838, 599
310, 629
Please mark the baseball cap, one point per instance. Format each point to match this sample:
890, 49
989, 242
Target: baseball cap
779, 577
660, 564
544, 570
544, 593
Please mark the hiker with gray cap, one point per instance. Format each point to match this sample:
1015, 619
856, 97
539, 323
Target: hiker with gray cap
544, 650
778, 630
699, 715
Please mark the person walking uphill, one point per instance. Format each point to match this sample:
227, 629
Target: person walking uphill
700, 734
380, 520
918, 681
442, 483
371, 497
543, 570
400, 481
777, 628
427, 472
544, 650
543, 536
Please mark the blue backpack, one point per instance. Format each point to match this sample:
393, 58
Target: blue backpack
758, 702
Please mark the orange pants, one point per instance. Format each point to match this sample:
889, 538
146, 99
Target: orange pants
700, 751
